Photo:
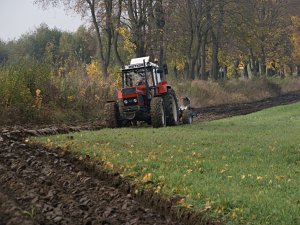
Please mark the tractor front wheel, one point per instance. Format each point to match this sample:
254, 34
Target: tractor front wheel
111, 115
158, 116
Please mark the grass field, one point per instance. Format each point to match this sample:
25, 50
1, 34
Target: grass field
242, 170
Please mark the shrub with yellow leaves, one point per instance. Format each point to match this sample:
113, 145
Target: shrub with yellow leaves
38, 99
93, 69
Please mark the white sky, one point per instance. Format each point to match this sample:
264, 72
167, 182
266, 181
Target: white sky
18, 17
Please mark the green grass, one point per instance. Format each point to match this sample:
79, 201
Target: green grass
243, 170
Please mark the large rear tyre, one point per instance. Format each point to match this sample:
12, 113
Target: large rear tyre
158, 116
187, 117
111, 115
171, 108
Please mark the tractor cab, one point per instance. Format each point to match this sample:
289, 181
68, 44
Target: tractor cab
141, 76
141, 81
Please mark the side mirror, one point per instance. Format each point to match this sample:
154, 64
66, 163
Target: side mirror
165, 68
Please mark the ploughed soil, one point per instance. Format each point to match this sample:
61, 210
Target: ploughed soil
229, 110
51, 186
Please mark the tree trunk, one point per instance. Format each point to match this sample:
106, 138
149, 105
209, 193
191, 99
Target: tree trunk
246, 73
116, 35
108, 32
192, 64
203, 59
160, 24
151, 36
263, 69
186, 70
235, 70
263, 62
298, 70
99, 41
291, 68
115, 46
104, 61
137, 16
198, 66
140, 47
215, 62
175, 71
161, 47
216, 37
256, 68
253, 66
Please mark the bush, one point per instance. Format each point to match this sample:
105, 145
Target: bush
207, 93
32, 91
18, 83
290, 84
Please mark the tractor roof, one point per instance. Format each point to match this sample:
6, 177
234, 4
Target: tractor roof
139, 60
137, 63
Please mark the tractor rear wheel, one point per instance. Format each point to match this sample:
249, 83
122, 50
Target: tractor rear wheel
187, 117
171, 108
158, 116
111, 115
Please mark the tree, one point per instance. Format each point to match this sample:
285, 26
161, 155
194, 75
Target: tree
198, 35
295, 39
85, 46
188, 36
3, 52
198, 13
137, 21
266, 32
101, 14
216, 21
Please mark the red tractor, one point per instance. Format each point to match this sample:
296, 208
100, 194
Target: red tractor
145, 96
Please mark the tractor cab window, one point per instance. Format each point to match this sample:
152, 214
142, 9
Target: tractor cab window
157, 76
134, 78
150, 78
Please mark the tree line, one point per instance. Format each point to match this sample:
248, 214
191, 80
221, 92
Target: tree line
198, 39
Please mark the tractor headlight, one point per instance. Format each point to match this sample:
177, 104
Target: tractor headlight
135, 100
125, 102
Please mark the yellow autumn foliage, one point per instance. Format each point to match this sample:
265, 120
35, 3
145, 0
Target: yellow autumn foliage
38, 99
93, 69
126, 35
147, 177
295, 37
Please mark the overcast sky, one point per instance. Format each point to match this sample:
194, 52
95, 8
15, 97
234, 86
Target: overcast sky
21, 16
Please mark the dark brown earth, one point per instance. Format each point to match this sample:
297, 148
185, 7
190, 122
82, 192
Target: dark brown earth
40, 186
228, 110
43, 186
